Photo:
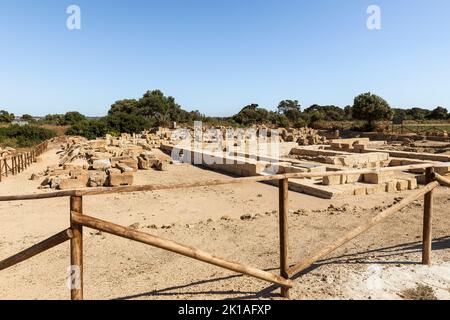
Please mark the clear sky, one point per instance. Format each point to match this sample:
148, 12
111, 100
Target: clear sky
217, 56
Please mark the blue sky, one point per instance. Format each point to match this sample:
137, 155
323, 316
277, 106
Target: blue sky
217, 56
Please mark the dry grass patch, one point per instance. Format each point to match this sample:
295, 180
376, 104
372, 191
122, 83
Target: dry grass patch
420, 292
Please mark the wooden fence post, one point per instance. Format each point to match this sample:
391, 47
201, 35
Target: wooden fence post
284, 239
6, 168
427, 220
76, 250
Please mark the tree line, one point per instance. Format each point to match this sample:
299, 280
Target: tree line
156, 109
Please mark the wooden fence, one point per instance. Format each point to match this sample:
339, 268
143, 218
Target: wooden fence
78, 220
18, 163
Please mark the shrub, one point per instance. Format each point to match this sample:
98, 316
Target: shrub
24, 136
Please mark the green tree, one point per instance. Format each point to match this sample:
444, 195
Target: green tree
126, 105
288, 105
55, 119
251, 114
371, 108
6, 117
329, 112
440, 113
154, 104
73, 117
418, 113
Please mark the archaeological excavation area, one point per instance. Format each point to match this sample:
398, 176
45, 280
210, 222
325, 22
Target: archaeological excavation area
218, 214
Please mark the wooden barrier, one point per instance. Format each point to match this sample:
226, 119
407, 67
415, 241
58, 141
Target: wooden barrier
76, 246
172, 246
427, 219
284, 238
37, 249
21, 161
361, 229
78, 220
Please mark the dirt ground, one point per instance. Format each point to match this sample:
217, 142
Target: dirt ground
377, 265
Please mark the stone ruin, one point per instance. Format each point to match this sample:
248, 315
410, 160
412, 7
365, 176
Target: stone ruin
303, 136
110, 162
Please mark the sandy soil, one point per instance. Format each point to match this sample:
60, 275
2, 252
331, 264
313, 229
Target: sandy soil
377, 265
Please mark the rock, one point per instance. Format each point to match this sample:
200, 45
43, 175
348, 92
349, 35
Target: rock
134, 226
160, 166
68, 184
97, 179
34, 177
102, 164
130, 162
120, 179
246, 217
113, 170
143, 164
54, 183
124, 168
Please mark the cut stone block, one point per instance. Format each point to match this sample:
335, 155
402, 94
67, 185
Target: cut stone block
380, 177
360, 191
67, 184
333, 180
97, 178
412, 183
376, 188
124, 168
160, 166
102, 164
352, 178
120, 179
391, 186
402, 185
130, 162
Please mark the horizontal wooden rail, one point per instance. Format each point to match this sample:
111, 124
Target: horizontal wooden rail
228, 181
442, 180
172, 246
36, 249
361, 229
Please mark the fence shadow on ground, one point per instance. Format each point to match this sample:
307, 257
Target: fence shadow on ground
174, 291
386, 252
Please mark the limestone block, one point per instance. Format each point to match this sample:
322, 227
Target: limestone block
160, 166
68, 184
360, 191
402, 185
352, 178
124, 168
391, 186
334, 180
97, 178
120, 179
102, 164
380, 177
130, 162
412, 183
376, 188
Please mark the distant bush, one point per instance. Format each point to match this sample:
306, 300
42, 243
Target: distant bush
24, 136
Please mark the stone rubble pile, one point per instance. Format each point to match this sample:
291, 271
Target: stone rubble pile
303, 136
108, 162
